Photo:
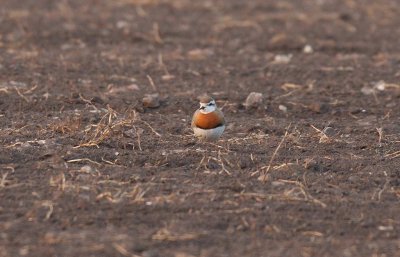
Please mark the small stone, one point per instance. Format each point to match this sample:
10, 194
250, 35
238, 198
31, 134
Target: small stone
264, 177
314, 164
308, 49
283, 58
277, 183
391, 105
199, 54
329, 131
354, 179
253, 100
310, 163
122, 24
282, 108
87, 169
18, 84
151, 101
121, 89
319, 107
167, 77
366, 90
380, 85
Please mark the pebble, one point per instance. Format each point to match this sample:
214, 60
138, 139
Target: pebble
329, 131
283, 58
87, 169
282, 108
308, 49
366, 90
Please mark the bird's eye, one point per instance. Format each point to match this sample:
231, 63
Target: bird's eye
210, 104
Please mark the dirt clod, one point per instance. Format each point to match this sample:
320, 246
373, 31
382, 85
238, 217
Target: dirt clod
253, 100
151, 101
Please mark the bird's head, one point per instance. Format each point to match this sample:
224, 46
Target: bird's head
207, 104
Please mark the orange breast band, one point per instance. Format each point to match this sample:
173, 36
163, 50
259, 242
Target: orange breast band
208, 121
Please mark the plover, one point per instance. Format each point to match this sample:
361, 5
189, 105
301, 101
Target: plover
208, 121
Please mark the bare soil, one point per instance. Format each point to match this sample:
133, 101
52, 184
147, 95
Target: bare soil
86, 170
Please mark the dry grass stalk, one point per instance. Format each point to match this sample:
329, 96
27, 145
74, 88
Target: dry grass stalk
289, 195
229, 23
83, 160
165, 235
379, 192
109, 162
156, 33
120, 249
258, 137
21, 95
201, 162
152, 83
67, 126
48, 204
264, 176
167, 75
151, 128
312, 233
137, 195
88, 102
380, 134
4, 90
4, 181
393, 155
323, 138
177, 4
58, 181
108, 126
302, 189
219, 159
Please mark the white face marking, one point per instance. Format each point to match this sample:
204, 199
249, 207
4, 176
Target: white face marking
208, 107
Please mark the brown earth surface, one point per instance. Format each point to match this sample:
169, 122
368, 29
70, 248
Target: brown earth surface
86, 170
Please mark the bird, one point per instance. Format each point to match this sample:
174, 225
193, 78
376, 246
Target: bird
208, 122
